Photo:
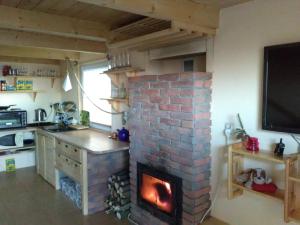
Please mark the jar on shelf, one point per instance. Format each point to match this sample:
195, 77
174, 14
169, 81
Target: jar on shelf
122, 91
114, 92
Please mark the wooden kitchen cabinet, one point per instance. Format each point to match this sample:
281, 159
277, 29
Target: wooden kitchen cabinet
59, 156
69, 160
46, 157
40, 154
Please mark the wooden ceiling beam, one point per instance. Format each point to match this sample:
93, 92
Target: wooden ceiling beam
182, 11
46, 41
193, 28
37, 53
26, 20
12, 59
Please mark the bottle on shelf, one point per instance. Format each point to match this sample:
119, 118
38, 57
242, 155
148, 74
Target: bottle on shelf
3, 85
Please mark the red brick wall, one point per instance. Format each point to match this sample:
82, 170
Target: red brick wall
169, 122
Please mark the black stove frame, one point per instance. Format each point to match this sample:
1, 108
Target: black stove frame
173, 218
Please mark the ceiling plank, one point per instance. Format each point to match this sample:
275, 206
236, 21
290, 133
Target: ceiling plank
19, 19
141, 39
37, 53
183, 11
25, 4
38, 40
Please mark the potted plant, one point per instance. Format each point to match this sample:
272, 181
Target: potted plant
240, 133
250, 143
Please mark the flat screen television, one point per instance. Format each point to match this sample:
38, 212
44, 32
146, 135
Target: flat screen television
281, 92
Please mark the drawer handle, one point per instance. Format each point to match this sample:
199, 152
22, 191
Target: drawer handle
76, 165
75, 150
66, 146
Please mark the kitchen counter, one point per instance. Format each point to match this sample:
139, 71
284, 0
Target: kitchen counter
93, 141
88, 157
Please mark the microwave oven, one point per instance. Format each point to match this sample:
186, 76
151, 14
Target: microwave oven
11, 139
13, 119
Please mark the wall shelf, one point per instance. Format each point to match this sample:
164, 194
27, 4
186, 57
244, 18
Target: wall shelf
290, 196
25, 147
294, 176
278, 195
124, 100
261, 155
16, 77
119, 77
128, 70
295, 216
115, 102
33, 92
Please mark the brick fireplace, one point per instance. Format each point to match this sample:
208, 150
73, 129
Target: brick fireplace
170, 123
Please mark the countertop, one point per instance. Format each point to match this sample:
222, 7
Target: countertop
95, 142
26, 129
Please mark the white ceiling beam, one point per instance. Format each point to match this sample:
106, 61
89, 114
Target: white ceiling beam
26, 20
46, 41
183, 11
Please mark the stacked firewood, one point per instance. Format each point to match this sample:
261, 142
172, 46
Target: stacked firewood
118, 201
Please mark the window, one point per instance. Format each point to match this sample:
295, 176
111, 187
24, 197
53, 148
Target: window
96, 86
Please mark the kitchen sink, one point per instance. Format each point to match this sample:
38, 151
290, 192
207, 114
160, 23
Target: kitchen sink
40, 124
57, 128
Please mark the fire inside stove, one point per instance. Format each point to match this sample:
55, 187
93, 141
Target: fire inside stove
157, 192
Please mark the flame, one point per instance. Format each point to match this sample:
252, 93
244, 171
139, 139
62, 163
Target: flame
157, 192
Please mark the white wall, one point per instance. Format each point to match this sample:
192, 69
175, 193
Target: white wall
237, 88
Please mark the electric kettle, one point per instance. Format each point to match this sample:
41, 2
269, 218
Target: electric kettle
40, 115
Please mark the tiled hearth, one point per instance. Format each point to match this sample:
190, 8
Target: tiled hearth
170, 124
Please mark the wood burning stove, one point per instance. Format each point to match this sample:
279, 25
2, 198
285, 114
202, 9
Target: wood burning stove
160, 193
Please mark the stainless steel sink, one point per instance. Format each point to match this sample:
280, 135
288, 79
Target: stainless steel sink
57, 128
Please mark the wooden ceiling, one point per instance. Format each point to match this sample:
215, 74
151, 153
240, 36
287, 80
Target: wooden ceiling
72, 8
89, 26
80, 10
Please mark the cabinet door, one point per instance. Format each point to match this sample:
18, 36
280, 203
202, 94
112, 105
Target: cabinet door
41, 155
50, 160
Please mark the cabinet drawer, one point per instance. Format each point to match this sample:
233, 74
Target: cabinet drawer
69, 150
69, 167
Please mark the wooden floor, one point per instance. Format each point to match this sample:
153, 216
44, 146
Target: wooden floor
26, 199
213, 221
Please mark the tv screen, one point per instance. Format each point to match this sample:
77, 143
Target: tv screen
281, 100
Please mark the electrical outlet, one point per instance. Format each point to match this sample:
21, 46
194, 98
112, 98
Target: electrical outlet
228, 129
